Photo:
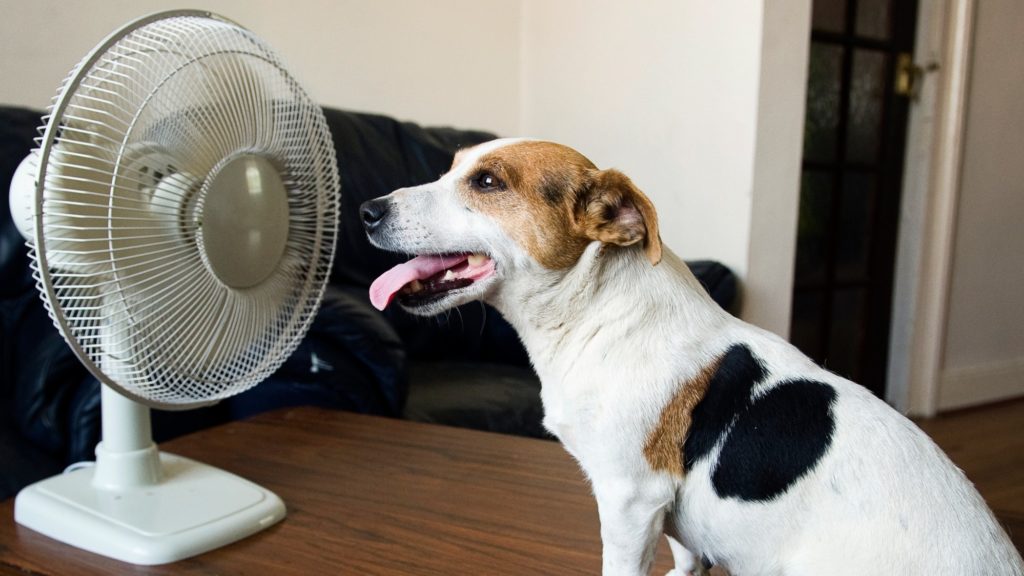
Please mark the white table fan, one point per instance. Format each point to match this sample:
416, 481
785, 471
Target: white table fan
181, 213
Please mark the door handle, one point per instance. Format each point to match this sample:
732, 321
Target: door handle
909, 74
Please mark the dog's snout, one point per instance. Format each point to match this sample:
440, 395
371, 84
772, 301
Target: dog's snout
373, 213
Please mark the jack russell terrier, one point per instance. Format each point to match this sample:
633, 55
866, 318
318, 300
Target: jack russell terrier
686, 420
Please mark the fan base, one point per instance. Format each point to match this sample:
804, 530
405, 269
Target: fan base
193, 509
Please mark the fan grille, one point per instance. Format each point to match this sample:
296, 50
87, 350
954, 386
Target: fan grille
135, 136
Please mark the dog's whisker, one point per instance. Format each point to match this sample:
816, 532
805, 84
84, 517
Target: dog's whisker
483, 317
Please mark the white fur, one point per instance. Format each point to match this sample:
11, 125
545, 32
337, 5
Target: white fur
613, 338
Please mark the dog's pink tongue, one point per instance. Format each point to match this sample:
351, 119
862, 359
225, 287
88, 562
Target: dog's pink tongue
384, 288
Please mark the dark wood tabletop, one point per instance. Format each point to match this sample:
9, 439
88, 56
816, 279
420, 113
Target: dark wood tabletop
369, 495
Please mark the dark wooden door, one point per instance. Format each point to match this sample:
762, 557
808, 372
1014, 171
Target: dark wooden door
854, 136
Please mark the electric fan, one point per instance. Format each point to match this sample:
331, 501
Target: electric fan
181, 213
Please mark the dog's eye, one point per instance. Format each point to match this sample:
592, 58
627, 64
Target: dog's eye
486, 182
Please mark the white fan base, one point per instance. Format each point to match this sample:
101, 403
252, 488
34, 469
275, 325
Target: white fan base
194, 508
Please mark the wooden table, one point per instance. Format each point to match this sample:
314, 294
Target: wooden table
369, 495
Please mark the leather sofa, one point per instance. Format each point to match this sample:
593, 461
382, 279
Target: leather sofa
466, 368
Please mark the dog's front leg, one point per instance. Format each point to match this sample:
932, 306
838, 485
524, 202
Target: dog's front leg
632, 516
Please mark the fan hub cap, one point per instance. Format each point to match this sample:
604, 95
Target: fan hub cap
243, 217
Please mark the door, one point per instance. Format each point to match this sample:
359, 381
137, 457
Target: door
854, 136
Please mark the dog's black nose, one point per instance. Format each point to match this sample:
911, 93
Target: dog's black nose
373, 213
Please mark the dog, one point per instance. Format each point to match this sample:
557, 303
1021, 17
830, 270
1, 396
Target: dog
685, 420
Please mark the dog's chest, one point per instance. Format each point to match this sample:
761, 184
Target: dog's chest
596, 418
568, 414
580, 409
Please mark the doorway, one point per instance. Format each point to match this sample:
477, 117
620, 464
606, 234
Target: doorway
860, 81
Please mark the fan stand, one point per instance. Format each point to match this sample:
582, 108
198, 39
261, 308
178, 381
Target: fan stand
142, 506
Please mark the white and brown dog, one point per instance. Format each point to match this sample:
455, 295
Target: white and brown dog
685, 419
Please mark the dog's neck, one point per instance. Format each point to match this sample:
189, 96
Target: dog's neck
554, 312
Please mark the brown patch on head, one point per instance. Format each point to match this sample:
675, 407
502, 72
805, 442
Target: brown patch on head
554, 202
663, 449
539, 185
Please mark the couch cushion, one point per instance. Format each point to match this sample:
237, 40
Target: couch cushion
493, 397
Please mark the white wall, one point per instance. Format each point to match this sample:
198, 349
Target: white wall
778, 151
447, 62
984, 353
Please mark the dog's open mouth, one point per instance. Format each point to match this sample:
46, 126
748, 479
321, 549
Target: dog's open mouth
427, 279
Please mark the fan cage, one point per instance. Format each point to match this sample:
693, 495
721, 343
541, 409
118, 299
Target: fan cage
125, 157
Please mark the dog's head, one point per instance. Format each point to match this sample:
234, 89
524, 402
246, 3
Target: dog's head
506, 208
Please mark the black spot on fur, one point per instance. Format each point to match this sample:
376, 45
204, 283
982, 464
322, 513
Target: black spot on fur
728, 393
771, 441
777, 440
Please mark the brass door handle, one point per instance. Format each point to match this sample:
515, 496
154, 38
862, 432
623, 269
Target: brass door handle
909, 74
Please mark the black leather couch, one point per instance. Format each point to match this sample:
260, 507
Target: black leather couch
466, 368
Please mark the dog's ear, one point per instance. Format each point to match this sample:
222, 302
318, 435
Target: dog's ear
613, 210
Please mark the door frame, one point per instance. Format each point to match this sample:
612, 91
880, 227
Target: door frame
931, 190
